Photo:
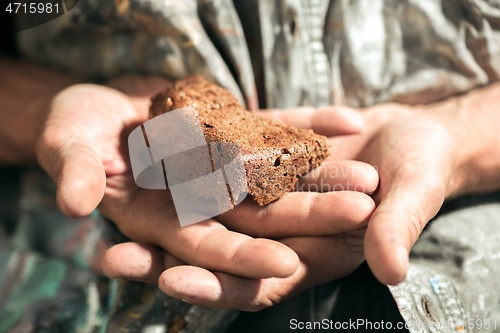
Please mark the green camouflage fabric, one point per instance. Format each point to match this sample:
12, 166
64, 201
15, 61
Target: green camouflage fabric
275, 54
51, 279
313, 52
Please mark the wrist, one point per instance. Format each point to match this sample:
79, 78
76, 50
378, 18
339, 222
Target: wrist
26, 98
475, 155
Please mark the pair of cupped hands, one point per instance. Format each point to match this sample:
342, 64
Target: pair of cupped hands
392, 162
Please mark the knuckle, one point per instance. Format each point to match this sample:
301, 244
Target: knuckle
270, 293
261, 302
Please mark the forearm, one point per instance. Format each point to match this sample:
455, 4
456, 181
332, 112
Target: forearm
26, 92
473, 121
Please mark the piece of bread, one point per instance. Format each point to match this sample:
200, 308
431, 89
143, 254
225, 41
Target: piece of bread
274, 154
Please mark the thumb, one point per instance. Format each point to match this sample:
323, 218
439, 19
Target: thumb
396, 224
65, 152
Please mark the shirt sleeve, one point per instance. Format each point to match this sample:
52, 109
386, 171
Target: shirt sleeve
105, 39
411, 51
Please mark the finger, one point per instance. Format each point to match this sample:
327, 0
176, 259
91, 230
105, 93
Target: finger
218, 249
207, 244
301, 213
408, 203
330, 257
340, 176
75, 167
83, 119
327, 260
328, 121
137, 262
199, 286
330, 213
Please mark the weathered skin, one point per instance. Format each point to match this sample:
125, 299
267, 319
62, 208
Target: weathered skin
321, 52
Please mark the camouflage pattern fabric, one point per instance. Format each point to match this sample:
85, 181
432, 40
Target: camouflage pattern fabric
314, 52
276, 54
51, 281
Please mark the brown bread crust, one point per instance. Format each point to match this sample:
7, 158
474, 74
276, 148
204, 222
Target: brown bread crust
274, 154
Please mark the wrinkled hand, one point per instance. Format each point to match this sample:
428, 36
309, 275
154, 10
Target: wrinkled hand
416, 155
83, 147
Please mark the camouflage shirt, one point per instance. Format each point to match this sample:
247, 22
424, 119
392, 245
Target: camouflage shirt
274, 54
